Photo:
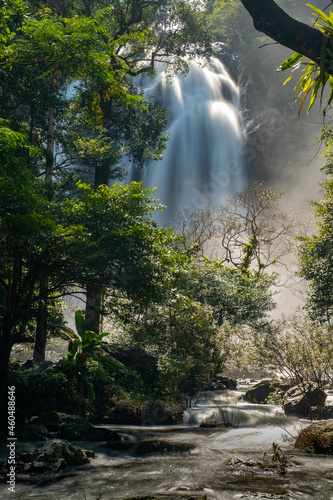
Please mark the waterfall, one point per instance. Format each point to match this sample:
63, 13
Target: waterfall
203, 162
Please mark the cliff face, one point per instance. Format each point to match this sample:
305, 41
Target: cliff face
277, 142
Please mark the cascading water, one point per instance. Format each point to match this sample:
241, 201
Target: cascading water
186, 461
203, 162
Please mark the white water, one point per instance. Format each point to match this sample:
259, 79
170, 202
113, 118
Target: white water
193, 461
203, 162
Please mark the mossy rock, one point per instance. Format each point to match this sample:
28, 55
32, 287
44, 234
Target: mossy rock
317, 438
260, 392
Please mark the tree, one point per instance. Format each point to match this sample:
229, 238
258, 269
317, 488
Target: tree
315, 252
183, 336
300, 349
236, 295
36, 242
249, 231
48, 48
103, 238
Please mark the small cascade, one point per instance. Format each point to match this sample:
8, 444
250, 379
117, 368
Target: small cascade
203, 163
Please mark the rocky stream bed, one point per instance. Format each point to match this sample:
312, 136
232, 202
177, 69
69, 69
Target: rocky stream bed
223, 450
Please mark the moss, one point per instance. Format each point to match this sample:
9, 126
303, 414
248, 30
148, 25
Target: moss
317, 438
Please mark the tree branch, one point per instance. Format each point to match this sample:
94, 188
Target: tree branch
270, 19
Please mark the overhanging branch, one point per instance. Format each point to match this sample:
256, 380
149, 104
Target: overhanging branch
270, 19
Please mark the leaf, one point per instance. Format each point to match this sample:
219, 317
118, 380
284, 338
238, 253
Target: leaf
289, 63
320, 14
305, 96
327, 150
102, 335
88, 339
80, 323
73, 349
288, 79
106, 357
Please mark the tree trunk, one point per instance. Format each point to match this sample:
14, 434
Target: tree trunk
270, 19
93, 308
101, 175
41, 331
50, 147
41, 328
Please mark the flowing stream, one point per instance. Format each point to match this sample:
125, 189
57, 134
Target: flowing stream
188, 460
203, 162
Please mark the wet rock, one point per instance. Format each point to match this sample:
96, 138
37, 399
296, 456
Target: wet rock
34, 431
328, 412
299, 400
316, 438
322, 413
260, 392
54, 456
214, 386
228, 382
276, 462
220, 383
61, 425
238, 462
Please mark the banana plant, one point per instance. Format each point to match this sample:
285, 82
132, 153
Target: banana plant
84, 344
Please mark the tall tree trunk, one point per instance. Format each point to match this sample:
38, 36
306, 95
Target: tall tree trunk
50, 146
41, 328
102, 172
94, 295
102, 175
93, 308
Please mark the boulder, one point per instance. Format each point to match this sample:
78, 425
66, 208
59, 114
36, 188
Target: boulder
229, 383
220, 383
214, 386
61, 425
260, 392
316, 438
55, 455
299, 400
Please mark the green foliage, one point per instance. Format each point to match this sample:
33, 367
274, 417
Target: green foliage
50, 390
85, 344
234, 295
300, 349
315, 252
315, 75
182, 334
